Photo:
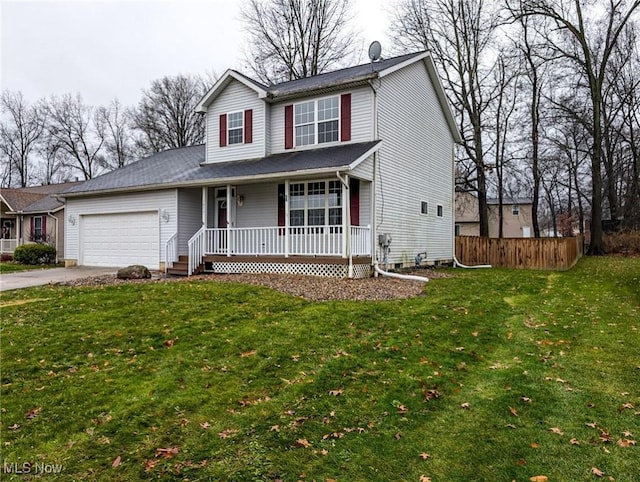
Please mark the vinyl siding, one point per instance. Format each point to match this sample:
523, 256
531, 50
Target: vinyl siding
235, 97
120, 203
189, 216
415, 165
365, 169
361, 119
260, 208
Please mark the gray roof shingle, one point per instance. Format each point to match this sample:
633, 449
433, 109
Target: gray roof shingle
336, 78
184, 166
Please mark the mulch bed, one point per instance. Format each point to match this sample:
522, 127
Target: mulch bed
312, 288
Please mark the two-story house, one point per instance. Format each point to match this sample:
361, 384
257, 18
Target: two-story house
517, 217
325, 175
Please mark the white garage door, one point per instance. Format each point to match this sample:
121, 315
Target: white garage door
120, 239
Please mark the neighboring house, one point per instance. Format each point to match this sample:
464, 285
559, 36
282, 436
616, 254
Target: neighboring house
297, 177
516, 213
32, 215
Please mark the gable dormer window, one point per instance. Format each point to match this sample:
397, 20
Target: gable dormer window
317, 121
235, 127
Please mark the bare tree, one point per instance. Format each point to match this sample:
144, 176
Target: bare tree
119, 141
19, 136
292, 39
461, 35
166, 116
587, 39
75, 132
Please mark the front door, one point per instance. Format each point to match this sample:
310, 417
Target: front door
222, 213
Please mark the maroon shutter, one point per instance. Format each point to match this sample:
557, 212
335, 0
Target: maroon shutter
345, 117
248, 126
44, 228
354, 201
223, 130
281, 208
288, 126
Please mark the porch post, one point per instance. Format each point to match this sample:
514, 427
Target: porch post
228, 233
286, 218
205, 202
346, 223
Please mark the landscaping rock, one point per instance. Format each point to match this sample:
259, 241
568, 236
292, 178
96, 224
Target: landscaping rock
134, 272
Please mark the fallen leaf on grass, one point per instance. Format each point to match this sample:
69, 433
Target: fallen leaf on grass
248, 353
525, 399
626, 442
398, 436
574, 441
424, 478
226, 433
169, 343
33, 413
205, 425
510, 425
424, 456
534, 445
149, 465
302, 442
335, 393
15, 426
557, 430
167, 453
627, 406
116, 462
539, 478
597, 472
275, 428
513, 411
591, 424
466, 406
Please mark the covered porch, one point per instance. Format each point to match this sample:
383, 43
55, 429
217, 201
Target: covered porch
318, 226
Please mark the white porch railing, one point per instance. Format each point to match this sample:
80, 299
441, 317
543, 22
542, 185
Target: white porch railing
196, 250
8, 245
303, 240
170, 252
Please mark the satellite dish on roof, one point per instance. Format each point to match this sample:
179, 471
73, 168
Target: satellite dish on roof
375, 49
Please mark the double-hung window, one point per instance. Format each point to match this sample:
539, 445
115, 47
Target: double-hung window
38, 231
235, 127
515, 210
317, 121
317, 203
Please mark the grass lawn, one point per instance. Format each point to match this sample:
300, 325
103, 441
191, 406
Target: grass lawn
11, 267
493, 375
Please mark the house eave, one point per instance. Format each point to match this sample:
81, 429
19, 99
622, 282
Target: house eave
273, 96
221, 84
218, 181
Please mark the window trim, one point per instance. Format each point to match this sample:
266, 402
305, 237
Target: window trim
424, 207
515, 210
440, 210
41, 236
316, 122
241, 128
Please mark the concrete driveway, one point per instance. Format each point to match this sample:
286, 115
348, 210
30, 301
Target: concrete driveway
39, 277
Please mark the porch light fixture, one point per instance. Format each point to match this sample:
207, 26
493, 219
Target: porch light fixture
240, 200
165, 215
71, 219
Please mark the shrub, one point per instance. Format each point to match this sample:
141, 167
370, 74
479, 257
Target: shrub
6, 257
35, 254
624, 242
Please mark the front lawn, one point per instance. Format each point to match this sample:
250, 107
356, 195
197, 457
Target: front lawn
492, 375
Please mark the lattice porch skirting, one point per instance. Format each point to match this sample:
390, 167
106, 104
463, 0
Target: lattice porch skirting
329, 269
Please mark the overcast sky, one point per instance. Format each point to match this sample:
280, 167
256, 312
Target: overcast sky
107, 49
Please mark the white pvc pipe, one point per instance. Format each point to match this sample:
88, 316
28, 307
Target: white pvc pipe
408, 277
458, 263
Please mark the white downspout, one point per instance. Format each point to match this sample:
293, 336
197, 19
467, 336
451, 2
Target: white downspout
408, 277
374, 181
346, 218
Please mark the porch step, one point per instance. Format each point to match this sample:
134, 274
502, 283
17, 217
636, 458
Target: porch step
181, 268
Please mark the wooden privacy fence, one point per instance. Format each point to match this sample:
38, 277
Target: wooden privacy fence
524, 253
